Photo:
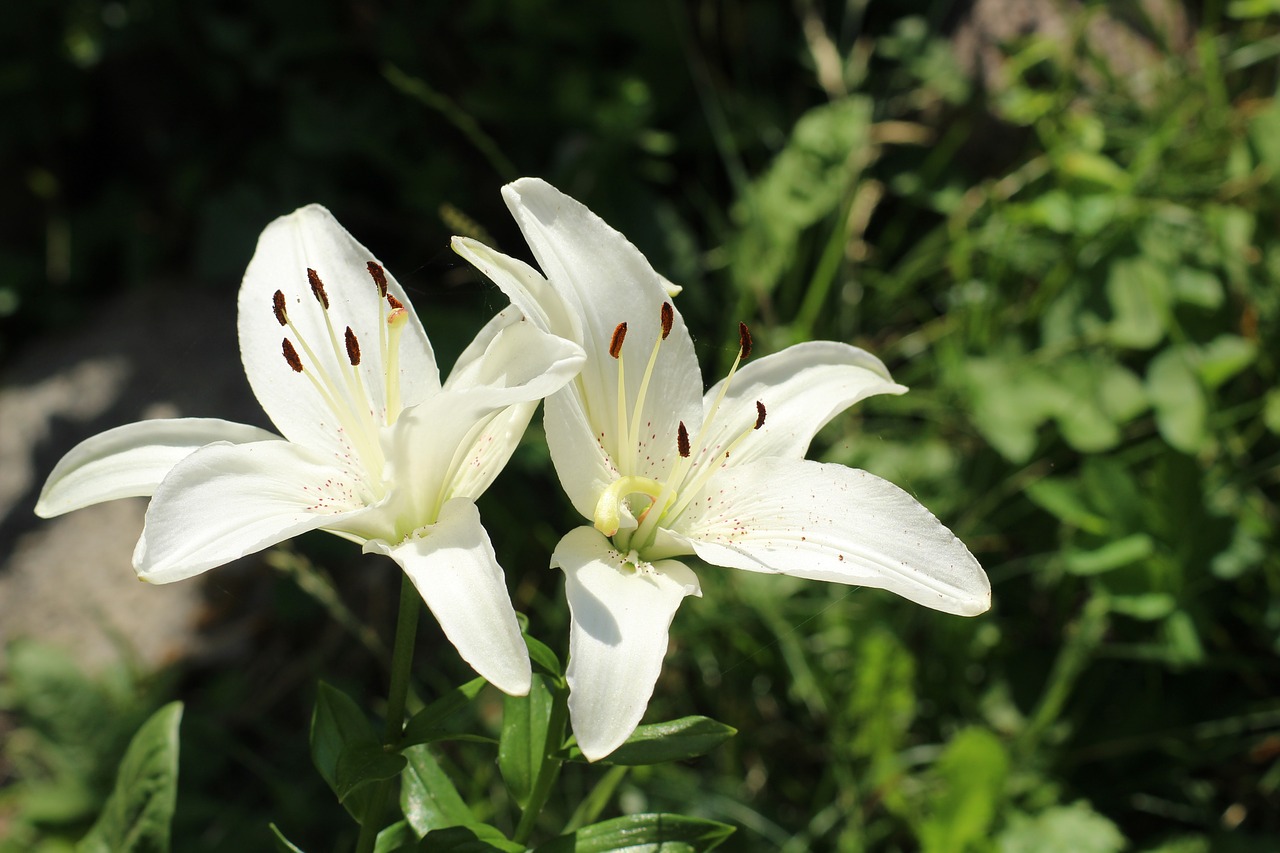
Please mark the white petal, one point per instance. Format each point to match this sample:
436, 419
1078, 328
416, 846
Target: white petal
832, 523
131, 460
311, 238
453, 566
802, 388
456, 442
528, 291
620, 617
227, 500
607, 281
583, 465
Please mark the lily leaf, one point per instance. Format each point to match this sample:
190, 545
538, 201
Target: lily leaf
469, 839
361, 764
338, 725
674, 740
670, 832
139, 811
523, 747
428, 797
432, 723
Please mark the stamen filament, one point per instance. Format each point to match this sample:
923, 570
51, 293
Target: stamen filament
625, 451
666, 320
709, 468
395, 325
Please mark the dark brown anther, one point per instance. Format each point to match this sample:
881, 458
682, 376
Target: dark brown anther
277, 306
668, 317
317, 289
744, 341
615, 343
682, 441
379, 277
395, 304
759, 415
291, 356
353, 347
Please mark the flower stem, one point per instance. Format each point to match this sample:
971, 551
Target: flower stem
401, 664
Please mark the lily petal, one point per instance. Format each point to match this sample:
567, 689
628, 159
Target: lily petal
453, 567
802, 388
832, 523
455, 443
582, 463
607, 281
227, 500
621, 612
524, 286
310, 238
131, 460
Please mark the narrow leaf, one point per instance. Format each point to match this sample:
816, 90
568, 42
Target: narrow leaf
675, 834
427, 795
138, 813
435, 722
283, 845
674, 740
523, 746
338, 724
468, 839
361, 764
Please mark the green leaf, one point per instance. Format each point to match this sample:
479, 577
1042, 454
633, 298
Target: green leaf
283, 845
1139, 294
338, 725
434, 722
138, 813
542, 656
1113, 555
1223, 358
1147, 606
1182, 409
523, 745
1076, 828
428, 797
479, 838
397, 838
362, 764
1197, 287
972, 770
643, 833
674, 740
1063, 500
1271, 411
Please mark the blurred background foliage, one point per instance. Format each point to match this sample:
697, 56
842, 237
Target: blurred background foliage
1056, 221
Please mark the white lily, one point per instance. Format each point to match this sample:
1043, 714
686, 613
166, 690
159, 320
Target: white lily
663, 470
375, 448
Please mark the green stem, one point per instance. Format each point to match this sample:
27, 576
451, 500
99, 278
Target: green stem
550, 767
401, 664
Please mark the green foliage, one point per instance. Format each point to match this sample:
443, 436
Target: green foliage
1073, 264
136, 817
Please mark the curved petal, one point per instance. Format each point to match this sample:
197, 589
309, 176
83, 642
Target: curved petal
582, 463
453, 567
832, 523
310, 238
607, 281
528, 291
457, 441
227, 500
131, 460
621, 612
802, 388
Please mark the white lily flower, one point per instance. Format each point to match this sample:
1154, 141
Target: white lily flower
374, 449
663, 470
